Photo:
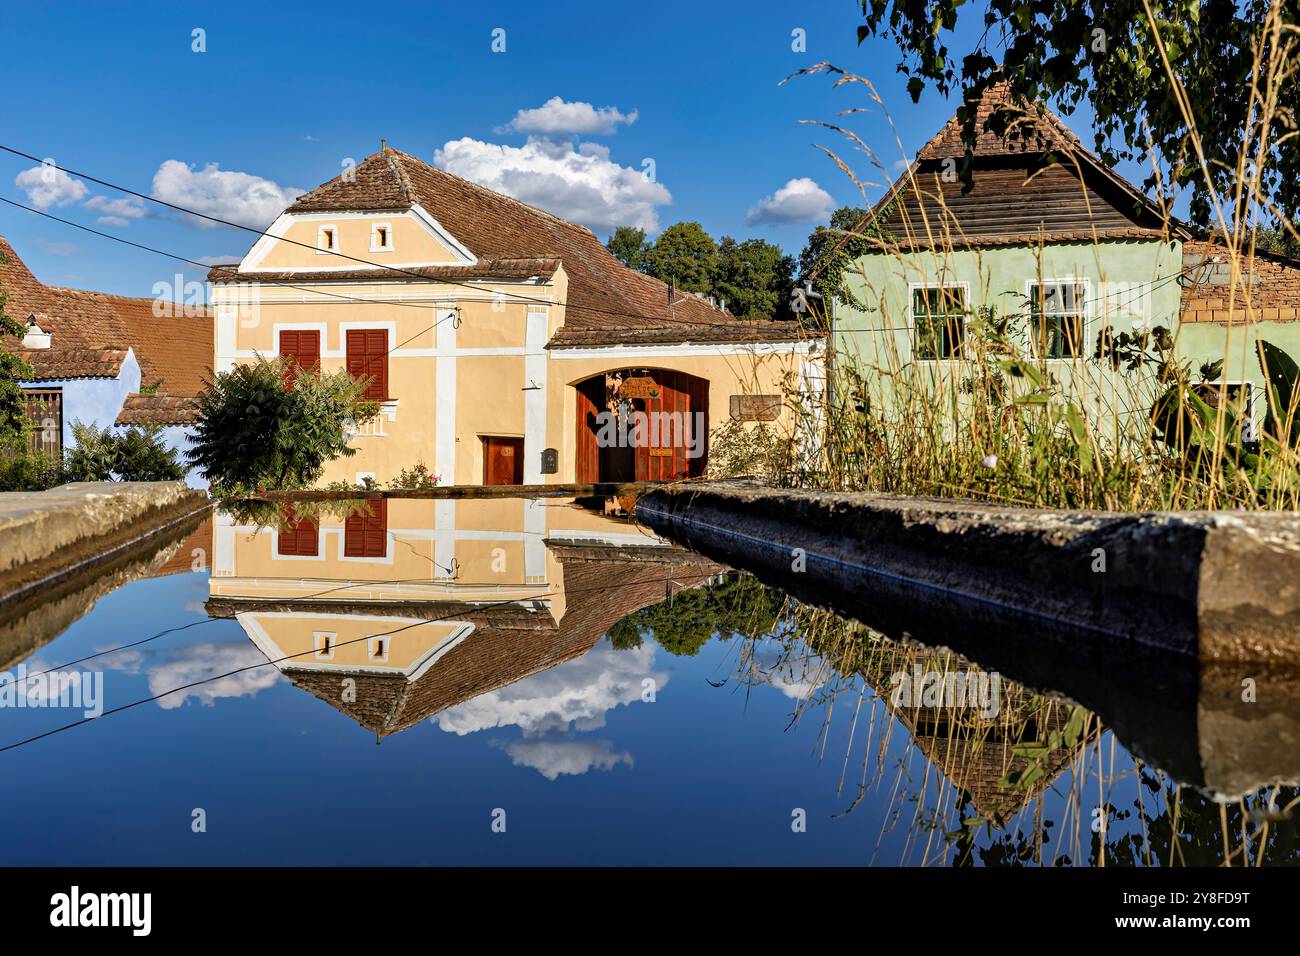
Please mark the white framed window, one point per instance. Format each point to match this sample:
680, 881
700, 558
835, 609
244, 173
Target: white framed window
327, 239
381, 237
324, 643
378, 648
938, 320
1240, 398
1058, 318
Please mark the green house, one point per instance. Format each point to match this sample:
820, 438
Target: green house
1053, 241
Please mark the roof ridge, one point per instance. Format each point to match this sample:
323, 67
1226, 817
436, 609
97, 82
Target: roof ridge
503, 196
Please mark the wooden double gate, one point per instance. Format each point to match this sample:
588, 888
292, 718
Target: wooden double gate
45, 411
672, 442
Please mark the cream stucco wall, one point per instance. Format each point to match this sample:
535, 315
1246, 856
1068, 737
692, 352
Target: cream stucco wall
466, 359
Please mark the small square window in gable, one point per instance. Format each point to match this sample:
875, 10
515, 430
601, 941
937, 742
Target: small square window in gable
327, 240
381, 237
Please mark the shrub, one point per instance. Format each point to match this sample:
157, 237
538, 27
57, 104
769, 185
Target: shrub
417, 476
24, 470
136, 454
254, 430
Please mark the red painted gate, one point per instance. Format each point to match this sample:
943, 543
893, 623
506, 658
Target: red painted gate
672, 409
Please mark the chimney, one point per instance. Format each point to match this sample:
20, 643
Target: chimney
35, 337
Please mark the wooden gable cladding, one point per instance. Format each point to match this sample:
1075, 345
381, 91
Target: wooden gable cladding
1012, 200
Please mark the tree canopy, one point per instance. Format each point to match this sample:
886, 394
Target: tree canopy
629, 246
1106, 53
684, 255
754, 278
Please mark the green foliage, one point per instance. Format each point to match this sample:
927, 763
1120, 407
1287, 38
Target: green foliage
685, 256
832, 250
754, 278
1279, 241
415, 477
133, 454
24, 470
683, 625
13, 410
253, 431
1104, 52
629, 246
739, 450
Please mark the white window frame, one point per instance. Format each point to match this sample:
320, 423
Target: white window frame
1088, 314
370, 649
912, 288
321, 249
374, 237
318, 640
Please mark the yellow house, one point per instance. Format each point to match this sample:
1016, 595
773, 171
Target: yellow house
407, 607
505, 345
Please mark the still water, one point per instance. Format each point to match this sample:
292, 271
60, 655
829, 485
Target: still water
513, 681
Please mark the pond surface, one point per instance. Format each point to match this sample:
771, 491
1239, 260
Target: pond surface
504, 681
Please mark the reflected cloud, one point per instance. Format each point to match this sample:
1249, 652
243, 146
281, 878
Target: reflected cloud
576, 694
556, 758
197, 662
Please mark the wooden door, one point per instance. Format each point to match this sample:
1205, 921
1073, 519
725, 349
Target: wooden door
678, 419
44, 407
503, 461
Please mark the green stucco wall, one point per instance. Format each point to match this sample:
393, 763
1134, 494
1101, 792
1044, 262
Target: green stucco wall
1130, 283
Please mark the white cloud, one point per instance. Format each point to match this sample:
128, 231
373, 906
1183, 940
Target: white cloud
48, 186
116, 212
575, 694
582, 185
799, 200
236, 197
558, 116
553, 758
200, 663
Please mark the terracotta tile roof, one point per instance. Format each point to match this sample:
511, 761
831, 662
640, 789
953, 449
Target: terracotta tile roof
55, 363
157, 409
91, 332
75, 322
175, 348
606, 303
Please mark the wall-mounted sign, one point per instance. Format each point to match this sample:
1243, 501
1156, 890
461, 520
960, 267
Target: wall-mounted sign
661, 453
756, 408
550, 461
642, 386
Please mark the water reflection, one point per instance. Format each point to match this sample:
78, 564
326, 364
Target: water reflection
479, 614
516, 646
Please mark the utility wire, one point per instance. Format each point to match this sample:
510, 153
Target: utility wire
261, 232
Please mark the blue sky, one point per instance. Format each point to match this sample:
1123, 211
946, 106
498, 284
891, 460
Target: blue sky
286, 93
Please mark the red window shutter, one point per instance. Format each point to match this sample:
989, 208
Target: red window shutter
366, 535
367, 351
299, 538
302, 348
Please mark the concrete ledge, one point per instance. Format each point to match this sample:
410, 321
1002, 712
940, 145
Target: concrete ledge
49, 533
1213, 586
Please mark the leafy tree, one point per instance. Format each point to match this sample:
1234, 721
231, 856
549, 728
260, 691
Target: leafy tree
831, 250
135, 454
684, 255
254, 430
754, 278
1063, 52
13, 409
1278, 241
629, 246
740, 605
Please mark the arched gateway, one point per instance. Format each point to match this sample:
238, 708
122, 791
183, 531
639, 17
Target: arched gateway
642, 424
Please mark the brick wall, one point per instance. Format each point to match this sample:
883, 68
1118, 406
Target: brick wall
1267, 287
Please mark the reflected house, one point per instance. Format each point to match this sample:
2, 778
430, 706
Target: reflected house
497, 338
397, 613
981, 758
